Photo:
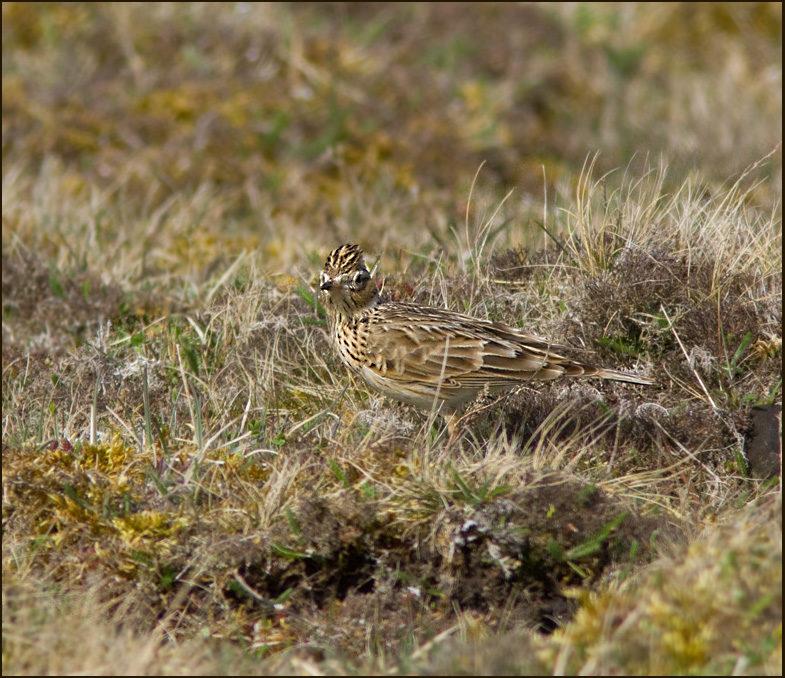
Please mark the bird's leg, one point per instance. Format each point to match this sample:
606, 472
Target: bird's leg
453, 421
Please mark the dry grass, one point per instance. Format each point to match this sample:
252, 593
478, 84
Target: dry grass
193, 484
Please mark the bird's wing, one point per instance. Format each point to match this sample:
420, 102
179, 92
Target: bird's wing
410, 342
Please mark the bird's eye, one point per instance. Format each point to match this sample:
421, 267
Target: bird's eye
360, 277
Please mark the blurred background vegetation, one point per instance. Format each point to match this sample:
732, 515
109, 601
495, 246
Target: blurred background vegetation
314, 118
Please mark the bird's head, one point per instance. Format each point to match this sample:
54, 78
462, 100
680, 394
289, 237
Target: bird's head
346, 283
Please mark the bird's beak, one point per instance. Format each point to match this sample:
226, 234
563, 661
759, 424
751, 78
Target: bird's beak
326, 285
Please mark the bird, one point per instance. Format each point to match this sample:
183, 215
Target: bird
430, 357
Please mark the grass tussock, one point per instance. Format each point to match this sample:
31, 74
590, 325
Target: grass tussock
192, 483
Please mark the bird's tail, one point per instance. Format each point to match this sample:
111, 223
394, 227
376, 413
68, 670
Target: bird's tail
616, 375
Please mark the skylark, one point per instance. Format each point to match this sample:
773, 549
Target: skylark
430, 357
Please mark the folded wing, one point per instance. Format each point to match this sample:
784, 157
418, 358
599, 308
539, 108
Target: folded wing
408, 342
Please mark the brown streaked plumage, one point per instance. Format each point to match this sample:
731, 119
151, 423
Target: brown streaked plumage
432, 357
